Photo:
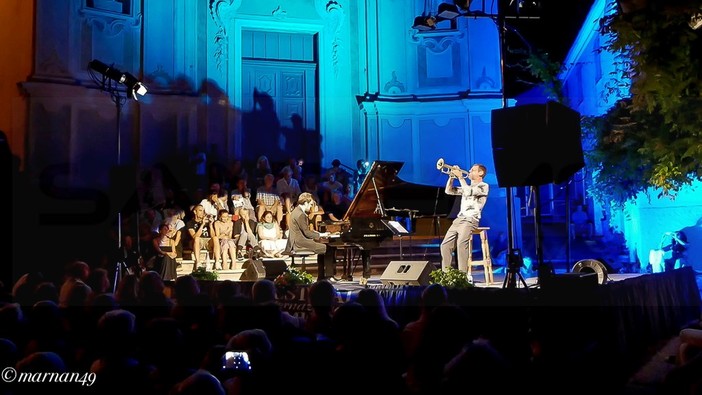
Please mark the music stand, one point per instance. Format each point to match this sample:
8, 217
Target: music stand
397, 230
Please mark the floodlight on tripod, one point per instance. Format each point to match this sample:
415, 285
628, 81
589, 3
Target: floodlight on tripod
133, 85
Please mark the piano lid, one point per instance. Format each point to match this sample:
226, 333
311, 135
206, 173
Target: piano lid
396, 196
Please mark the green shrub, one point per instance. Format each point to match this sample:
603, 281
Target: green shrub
452, 278
202, 274
292, 277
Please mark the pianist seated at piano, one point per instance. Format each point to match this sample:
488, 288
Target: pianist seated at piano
302, 238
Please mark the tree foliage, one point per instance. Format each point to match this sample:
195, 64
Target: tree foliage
653, 138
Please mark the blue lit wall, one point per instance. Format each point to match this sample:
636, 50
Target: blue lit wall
315, 79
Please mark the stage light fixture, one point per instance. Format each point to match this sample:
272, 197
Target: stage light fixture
448, 11
134, 86
462, 4
423, 23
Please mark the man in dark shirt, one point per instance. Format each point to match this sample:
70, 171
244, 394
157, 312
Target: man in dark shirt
199, 229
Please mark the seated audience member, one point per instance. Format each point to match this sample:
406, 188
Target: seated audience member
296, 167
312, 187
432, 296
237, 171
99, 281
223, 230
288, 189
200, 382
270, 236
263, 378
214, 202
267, 199
331, 184
77, 274
336, 208
264, 291
199, 228
324, 299
129, 255
174, 219
263, 167
164, 246
244, 232
316, 214
339, 173
241, 197
580, 224
24, 288
127, 293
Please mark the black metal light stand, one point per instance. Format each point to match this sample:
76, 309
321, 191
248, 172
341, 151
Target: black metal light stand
118, 97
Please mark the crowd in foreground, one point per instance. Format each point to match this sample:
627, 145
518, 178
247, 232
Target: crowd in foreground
155, 338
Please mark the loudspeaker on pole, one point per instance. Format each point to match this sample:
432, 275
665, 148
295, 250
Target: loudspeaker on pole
536, 144
407, 273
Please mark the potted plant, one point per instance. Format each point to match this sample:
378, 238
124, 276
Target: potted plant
451, 278
201, 273
292, 278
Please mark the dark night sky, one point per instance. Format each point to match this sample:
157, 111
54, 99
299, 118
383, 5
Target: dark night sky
558, 24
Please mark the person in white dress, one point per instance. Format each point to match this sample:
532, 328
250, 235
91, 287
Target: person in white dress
270, 236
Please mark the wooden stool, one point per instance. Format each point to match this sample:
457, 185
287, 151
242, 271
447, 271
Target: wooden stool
300, 254
486, 262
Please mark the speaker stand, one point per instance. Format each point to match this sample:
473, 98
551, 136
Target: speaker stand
538, 234
514, 256
569, 264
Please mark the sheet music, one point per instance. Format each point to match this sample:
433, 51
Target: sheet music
396, 227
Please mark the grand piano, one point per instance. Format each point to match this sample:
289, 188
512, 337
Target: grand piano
382, 196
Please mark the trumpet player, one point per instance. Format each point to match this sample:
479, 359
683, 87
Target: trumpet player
473, 197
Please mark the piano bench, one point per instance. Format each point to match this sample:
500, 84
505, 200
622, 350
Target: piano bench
302, 254
486, 262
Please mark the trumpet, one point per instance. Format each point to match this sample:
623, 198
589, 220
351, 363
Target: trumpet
446, 169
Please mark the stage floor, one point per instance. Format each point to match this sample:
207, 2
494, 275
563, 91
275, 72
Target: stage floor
530, 280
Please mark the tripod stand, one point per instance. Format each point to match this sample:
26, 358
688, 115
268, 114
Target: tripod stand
120, 270
514, 264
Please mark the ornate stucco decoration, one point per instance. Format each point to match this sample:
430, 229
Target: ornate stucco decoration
109, 24
279, 13
437, 41
484, 81
394, 86
222, 11
333, 14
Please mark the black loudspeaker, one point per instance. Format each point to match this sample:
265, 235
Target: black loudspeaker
407, 273
253, 270
274, 268
536, 144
